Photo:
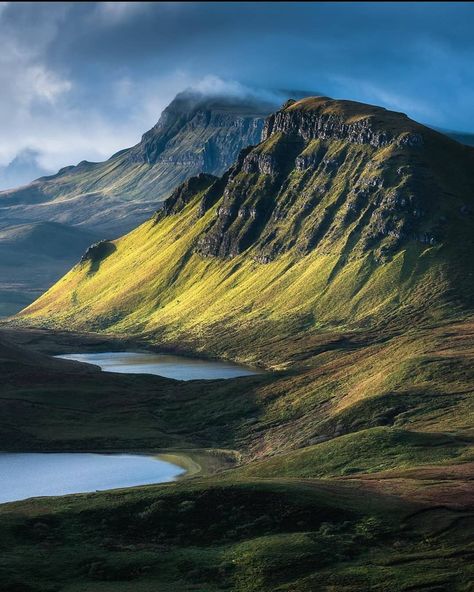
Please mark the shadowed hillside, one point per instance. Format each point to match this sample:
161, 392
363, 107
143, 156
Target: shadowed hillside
33, 257
355, 474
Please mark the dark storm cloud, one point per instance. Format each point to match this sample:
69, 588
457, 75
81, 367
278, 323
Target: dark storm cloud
110, 67
280, 41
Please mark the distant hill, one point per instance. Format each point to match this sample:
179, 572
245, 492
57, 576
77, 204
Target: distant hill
196, 133
22, 169
33, 257
463, 137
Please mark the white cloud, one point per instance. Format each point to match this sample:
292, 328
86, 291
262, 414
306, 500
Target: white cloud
113, 13
215, 86
45, 84
39, 109
41, 115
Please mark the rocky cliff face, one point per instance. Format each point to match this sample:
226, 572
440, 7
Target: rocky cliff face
180, 137
195, 134
325, 119
183, 194
339, 177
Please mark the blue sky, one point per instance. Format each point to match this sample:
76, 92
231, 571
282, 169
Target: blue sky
83, 80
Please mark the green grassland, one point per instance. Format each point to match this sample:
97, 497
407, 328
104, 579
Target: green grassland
246, 536
384, 503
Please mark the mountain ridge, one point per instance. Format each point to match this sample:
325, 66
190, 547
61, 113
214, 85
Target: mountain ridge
196, 133
305, 231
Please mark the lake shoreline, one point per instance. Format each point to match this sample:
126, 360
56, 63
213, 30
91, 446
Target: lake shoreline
170, 366
223, 457
55, 342
193, 462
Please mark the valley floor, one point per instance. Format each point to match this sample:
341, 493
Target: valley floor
356, 469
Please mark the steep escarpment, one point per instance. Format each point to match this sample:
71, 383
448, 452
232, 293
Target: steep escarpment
196, 133
223, 126
345, 215
340, 177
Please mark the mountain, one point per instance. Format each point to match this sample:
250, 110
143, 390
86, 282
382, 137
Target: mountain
196, 133
33, 257
345, 216
22, 169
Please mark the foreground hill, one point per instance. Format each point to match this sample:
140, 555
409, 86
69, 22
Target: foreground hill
33, 257
345, 215
195, 133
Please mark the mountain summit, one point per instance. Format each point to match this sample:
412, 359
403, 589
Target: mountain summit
342, 177
196, 133
344, 215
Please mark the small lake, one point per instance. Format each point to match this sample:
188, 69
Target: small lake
24, 475
167, 365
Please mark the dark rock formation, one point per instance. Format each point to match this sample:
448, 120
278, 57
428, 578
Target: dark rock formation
336, 176
321, 123
183, 194
98, 252
179, 137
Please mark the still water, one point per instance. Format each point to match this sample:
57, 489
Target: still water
170, 366
24, 475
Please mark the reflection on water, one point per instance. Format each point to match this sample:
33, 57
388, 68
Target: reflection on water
170, 366
24, 475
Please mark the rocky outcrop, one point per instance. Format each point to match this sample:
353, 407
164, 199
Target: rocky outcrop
231, 126
98, 252
320, 123
183, 194
336, 176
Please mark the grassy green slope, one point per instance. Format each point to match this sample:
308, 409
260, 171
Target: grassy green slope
293, 259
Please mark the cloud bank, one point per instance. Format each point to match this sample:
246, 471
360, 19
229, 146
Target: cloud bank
83, 80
